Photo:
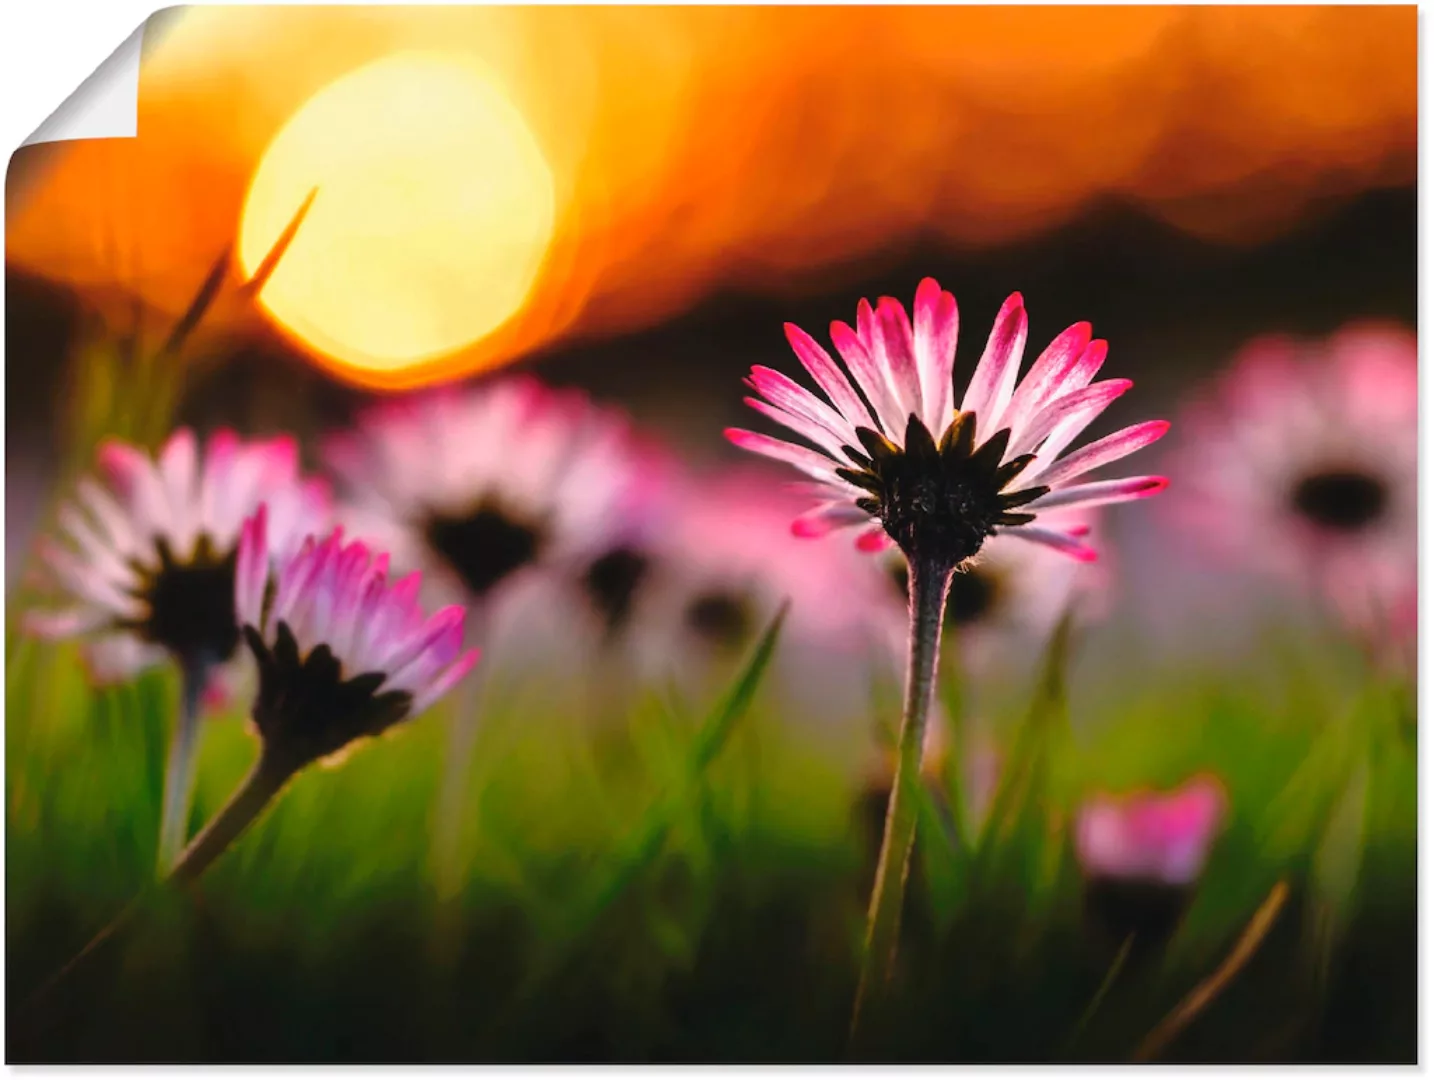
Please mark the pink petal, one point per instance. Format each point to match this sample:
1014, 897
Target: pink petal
1102, 491
445, 682
798, 400
896, 351
100, 554
874, 540
1062, 542
808, 461
278, 457
991, 385
822, 368
870, 377
107, 512
251, 571
1102, 452
866, 325
828, 517
808, 430
179, 472
1042, 384
63, 624
442, 633
1072, 413
216, 487
83, 582
295, 578
132, 475
937, 323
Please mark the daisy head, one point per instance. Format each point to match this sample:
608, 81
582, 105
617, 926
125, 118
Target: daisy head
483, 483
148, 553
893, 453
342, 653
1141, 855
1301, 460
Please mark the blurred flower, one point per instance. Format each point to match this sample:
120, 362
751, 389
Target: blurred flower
716, 560
149, 562
342, 653
482, 484
1301, 460
1013, 593
1142, 853
938, 481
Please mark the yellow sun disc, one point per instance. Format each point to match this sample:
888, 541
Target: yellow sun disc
434, 210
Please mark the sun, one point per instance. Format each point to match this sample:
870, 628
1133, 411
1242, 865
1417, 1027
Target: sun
434, 211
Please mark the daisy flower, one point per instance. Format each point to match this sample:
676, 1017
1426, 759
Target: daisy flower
147, 559
482, 484
488, 488
147, 564
1301, 460
343, 654
893, 453
1142, 853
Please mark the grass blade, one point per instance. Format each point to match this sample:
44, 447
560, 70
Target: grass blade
1199, 998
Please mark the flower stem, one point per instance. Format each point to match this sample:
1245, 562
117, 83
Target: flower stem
929, 581
268, 776
180, 768
264, 781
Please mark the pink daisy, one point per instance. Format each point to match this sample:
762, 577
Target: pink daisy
342, 652
343, 655
149, 551
1163, 839
482, 484
1142, 854
895, 454
1301, 460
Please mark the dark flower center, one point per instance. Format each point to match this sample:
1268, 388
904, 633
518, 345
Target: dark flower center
972, 596
191, 603
1343, 500
486, 546
939, 502
307, 710
721, 619
612, 582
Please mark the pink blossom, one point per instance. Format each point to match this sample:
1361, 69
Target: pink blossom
1301, 460
342, 651
895, 456
1161, 838
147, 558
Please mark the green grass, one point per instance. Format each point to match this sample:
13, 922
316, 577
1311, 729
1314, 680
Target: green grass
689, 883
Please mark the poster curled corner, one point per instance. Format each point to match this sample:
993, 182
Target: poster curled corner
105, 105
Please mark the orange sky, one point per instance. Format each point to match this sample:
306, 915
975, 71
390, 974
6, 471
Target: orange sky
759, 147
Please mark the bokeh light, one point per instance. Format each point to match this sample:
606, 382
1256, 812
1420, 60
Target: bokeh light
434, 213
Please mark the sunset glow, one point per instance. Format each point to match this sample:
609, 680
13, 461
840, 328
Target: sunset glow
633, 164
434, 210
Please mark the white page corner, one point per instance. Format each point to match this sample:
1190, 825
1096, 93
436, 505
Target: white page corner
105, 105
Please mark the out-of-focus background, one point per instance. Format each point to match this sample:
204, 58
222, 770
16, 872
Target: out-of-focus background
633, 201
